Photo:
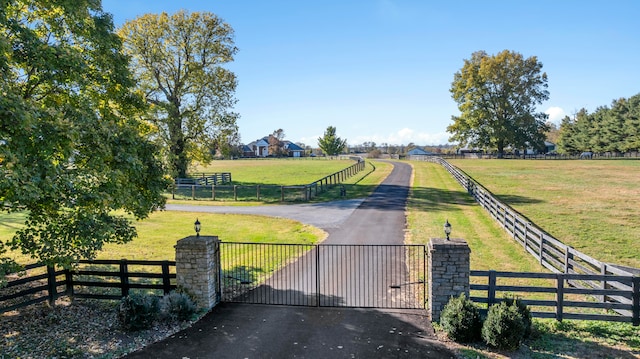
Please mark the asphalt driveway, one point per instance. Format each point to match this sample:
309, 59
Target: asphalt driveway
260, 331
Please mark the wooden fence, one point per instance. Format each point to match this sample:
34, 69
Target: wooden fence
476, 155
267, 192
204, 179
97, 279
549, 251
560, 297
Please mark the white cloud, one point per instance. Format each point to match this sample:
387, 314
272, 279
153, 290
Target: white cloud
556, 114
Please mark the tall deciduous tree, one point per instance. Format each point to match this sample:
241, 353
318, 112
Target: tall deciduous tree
497, 98
330, 143
178, 61
71, 149
276, 143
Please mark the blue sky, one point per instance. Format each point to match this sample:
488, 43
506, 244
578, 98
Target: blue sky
380, 70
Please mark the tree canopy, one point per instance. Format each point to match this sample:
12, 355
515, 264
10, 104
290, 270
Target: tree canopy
71, 149
497, 97
177, 60
614, 129
330, 143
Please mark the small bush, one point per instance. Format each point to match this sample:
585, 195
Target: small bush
178, 306
138, 311
524, 311
460, 319
504, 327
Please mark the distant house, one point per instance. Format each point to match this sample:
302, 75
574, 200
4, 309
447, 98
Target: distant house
293, 150
549, 147
247, 151
260, 148
419, 152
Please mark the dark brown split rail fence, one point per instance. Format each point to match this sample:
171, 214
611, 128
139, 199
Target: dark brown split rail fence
98, 279
197, 188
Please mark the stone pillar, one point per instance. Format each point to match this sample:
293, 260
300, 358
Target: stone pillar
448, 273
197, 266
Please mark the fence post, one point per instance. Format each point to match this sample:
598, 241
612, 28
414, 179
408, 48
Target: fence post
193, 192
124, 278
235, 192
491, 292
526, 233
213, 192
68, 278
636, 301
603, 285
52, 285
281, 193
258, 192
166, 281
541, 246
559, 296
448, 274
566, 259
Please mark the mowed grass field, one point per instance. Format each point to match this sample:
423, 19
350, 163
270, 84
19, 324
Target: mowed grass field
591, 205
281, 172
436, 197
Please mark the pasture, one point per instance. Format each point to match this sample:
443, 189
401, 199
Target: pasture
589, 205
281, 172
435, 197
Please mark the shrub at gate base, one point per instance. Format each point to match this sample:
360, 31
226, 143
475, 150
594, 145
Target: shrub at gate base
504, 327
524, 312
138, 311
460, 319
178, 305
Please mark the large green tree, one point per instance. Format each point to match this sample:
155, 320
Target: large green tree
178, 61
71, 149
330, 143
497, 97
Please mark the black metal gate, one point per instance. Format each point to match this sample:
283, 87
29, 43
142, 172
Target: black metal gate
366, 276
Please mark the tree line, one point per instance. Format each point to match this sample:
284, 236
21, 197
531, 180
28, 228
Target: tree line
614, 129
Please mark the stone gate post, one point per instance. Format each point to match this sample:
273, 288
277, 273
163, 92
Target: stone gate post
448, 273
197, 266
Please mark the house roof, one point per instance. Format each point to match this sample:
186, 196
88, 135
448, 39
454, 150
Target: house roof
262, 142
292, 146
418, 151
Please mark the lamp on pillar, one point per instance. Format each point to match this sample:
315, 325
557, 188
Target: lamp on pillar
196, 226
447, 228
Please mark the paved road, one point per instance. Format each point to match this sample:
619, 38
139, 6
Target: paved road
257, 331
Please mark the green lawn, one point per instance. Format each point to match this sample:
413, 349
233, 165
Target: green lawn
590, 205
281, 172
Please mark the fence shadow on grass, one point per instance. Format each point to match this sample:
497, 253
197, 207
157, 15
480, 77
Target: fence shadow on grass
436, 199
554, 344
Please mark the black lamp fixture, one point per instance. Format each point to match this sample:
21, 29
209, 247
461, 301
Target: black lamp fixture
447, 228
196, 226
